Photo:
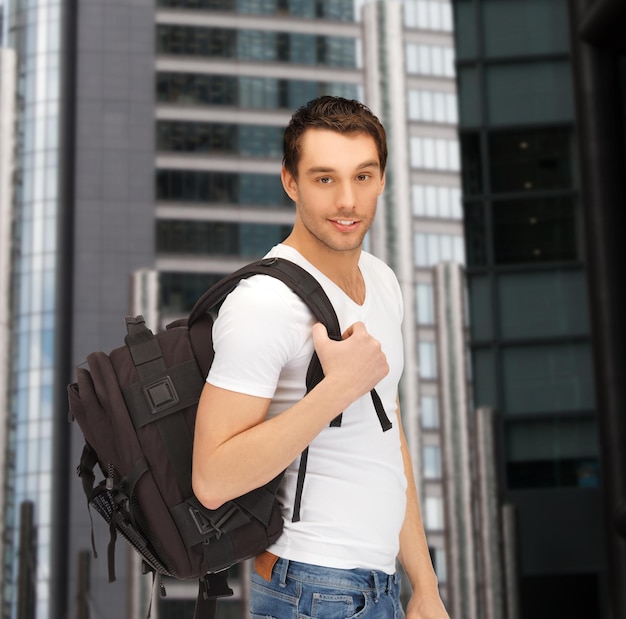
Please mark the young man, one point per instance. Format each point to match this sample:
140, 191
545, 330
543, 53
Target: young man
359, 506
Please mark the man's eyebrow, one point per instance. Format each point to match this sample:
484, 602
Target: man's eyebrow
326, 170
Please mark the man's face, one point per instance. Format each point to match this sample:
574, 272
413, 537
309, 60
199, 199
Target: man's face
339, 181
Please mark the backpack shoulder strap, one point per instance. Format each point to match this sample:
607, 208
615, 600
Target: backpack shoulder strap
292, 275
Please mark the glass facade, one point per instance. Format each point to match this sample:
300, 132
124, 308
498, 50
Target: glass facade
203, 238
258, 93
31, 469
237, 189
256, 45
219, 139
310, 9
531, 351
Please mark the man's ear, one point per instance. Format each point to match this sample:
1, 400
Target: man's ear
382, 183
290, 184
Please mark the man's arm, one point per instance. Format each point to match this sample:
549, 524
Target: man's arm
425, 603
236, 449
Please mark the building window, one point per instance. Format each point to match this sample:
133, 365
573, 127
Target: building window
341, 10
430, 60
526, 93
180, 291
427, 353
428, 15
430, 249
218, 238
532, 160
542, 304
436, 201
524, 27
536, 230
244, 92
547, 378
431, 462
429, 406
210, 138
433, 513
256, 45
254, 190
434, 154
552, 452
425, 304
432, 107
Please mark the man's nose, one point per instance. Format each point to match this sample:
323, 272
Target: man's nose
345, 196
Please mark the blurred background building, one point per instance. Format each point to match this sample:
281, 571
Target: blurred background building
541, 115
140, 148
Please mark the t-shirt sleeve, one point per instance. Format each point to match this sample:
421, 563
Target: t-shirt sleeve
254, 336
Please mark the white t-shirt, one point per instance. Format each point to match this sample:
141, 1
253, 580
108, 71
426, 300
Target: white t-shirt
353, 503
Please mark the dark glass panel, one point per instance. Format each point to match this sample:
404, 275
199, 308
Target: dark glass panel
246, 92
552, 452
190, 41
525, 27
530, 160
471, 164
218, 238
475, 233
180, 291
535, 231
470, 97
529, 93
549, 596
256, 45
342, 10
196, 137
543, 304
485, 378
465, 28
190, 89
547, 378
248, 140
480, 307
220, 187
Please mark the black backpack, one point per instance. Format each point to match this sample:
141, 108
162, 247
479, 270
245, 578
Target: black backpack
136, 408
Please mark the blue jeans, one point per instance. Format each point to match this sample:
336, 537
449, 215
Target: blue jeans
301, 591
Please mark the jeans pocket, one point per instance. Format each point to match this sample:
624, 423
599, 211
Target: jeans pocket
338, 605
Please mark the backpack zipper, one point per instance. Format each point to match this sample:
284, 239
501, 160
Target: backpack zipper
110, 481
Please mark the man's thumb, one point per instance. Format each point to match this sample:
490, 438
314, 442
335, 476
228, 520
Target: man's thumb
320, 335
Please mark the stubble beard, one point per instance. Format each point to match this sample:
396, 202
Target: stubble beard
332, 240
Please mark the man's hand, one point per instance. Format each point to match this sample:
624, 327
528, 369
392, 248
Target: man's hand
426, 607
357, 363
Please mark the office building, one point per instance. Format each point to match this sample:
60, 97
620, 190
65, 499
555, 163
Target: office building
542, 139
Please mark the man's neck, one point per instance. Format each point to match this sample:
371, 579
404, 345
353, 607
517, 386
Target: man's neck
341, 267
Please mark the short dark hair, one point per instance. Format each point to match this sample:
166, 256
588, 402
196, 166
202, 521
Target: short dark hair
335, 114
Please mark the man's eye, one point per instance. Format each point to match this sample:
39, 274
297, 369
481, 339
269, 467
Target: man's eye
363, 177
325, 180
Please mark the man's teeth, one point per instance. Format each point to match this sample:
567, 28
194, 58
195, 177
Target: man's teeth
345, 222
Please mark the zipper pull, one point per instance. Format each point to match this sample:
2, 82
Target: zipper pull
110, 481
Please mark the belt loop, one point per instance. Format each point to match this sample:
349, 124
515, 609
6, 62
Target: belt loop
283, 567
376, 587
